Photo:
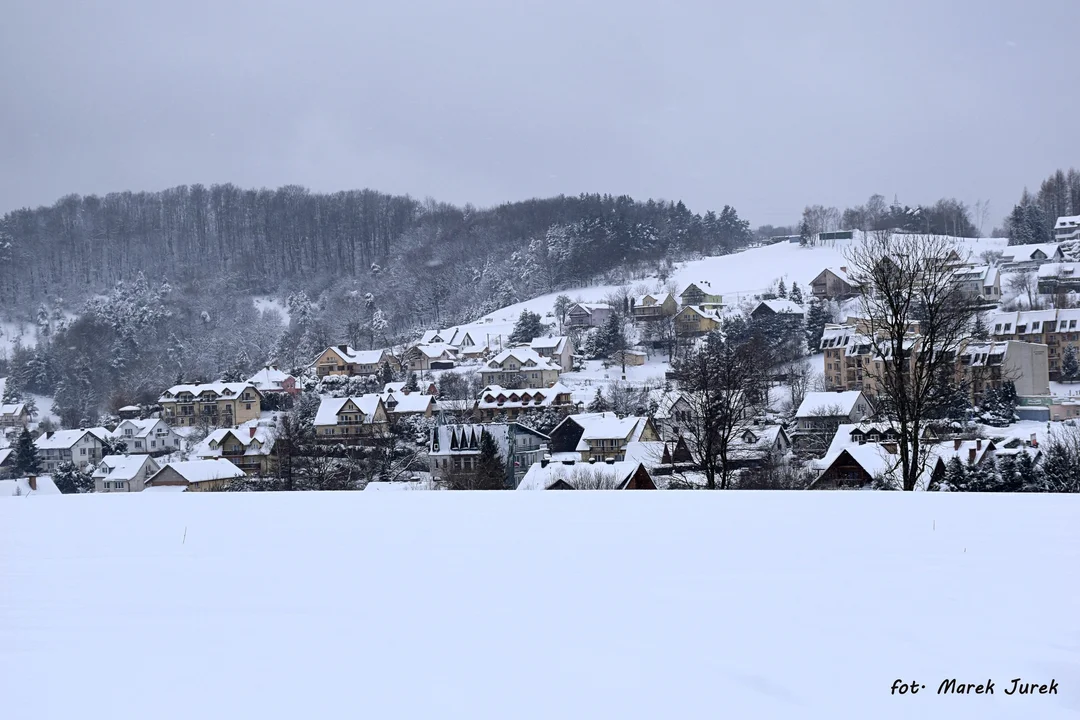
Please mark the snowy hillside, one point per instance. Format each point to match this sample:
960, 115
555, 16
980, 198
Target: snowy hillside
537, 605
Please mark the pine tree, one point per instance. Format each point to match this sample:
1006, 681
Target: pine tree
114, 446
817, 317
598, 403
491, 471
781, 289
979, 331
527, 327
1009, 477
386, 373
796, 294
955, 479
70, 479
412, 384
1070, 368
26, 458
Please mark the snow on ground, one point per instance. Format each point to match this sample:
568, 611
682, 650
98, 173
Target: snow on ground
605, 605
269, 303
12, 332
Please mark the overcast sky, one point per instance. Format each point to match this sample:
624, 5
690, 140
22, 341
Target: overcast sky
767, 105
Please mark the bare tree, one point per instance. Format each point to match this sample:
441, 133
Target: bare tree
907, 279
815, 440
981, 215
723, 383
1026, 282
457, 395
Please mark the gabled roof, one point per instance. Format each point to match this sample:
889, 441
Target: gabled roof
1062, 270
120, 467
259, 443
64, 439
269, 378
445, 337
555, 343
605, 426
523, 355
5, 453
590, 307
464, 439
782, 306
330, 407
45, 486
221, 389
414, 402
841, 273
353, 356
13, 409
519, 397
1066, 222
815, 403
141, 428
202, 470
1020, 253
437, 350
710, 314
609, 476
704, 286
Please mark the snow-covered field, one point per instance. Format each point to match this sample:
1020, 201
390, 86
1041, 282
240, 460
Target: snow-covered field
536, 605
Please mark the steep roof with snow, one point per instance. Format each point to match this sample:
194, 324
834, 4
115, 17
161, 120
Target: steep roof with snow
783, 306
20, 487
218, 389
1066, 222
436, 351
329, 408
526, 357
496, 396
353, 356
203, 470
269, 379
64, 439
606, 426
1020, 253
5, 453
12, 409
592, 476
414, 402
120, 467
555, 343
1059, 270
259, 442
139, 428
815, 403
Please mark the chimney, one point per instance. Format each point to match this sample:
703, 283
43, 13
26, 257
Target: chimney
544, 463
957, 443
971, 456
32, 482
843, 268
978, 444
251, 432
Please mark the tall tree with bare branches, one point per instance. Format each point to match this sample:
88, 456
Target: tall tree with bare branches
904, 279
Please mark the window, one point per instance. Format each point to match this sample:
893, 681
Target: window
247, 406
138, 444
82, 451
128, 432
1008, 327
1035, 326
153, 443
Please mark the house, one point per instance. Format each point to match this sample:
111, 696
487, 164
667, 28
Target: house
1057, 329
271, 380
857, 467
702, 295
14, 415
770, 308
455, 449
195, 475
351, 420
496, 401
982, 366
673, 413
599, 436
559, 349
7, 461
152, 436
219, 404
1027, 257
434, 356
123, 473
33, 485
660, 457
129, 412
834, 284
646, 308
884, 432
422, 388
345, 360
613, 475
982, 281
1067, 227
589, 314
755, 444
461, 340
80, 447
520, 366
628, 357
1057, 278
403, 404
693, 320
821, 413
972, 453
250, 448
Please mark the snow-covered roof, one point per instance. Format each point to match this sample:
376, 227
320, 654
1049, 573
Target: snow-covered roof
63, 439
140, 428
519, 397
402, 485
875, 459
649, 453
330, 407
783, 306
165, 488
464, 439
269, 379
437, 350
843, 274
527, 358
710, 314
130, 408
120, 467
986, 274
221, 389
5, 453
591, 307
21, 487
556, 343
1066, 222
259, 442
703, 285
593, 476
353, 356
204, 470
399, 387
414, 402
1020, 253
1059, 270
12, 409
606, 426
815, 403
446, 336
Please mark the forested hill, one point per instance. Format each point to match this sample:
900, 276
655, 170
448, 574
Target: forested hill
443, 262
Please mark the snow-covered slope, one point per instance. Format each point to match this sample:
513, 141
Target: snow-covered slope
536, 605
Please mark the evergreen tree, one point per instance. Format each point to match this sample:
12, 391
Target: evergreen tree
1028, 473
1028, 225
527, 327
806, 234
781, 289
955, 478
999, 405
1070, 368
26, 457
1009, 478
412, 384
598, 403
817, 317
71, 479
984, 477
114, 446
386, 373
979, 331
491, 471
796, 294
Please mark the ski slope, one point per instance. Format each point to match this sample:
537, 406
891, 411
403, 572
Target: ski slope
535, 605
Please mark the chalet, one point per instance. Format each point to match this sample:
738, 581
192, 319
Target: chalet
423, 388
584, 315
220, 404
821, 414
599, 436
701, 295
559, 349
983, 281
249, 448
14, 415
570, 475
434, 356
123, 473
271, 380
194, 475
771, 308
403, 404
345, 360
755, 444
496, 401
81, 447
646, 308
152, 436
455, 449
351, 420
857, 467
1067, 227
693, 320
520, 364
834, 284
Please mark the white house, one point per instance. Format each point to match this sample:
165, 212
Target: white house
1067, 227
535, 370
81, 447
123, 473
559, 349
152, 436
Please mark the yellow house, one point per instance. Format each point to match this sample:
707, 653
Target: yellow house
220, 404
693, 320
344, 360
653, 307
249, 448
352, 419
195, 475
